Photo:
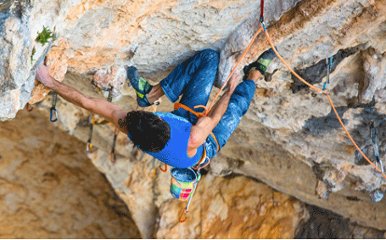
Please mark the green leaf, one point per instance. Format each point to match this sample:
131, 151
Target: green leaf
44, 36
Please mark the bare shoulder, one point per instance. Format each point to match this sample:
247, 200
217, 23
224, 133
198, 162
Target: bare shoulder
119, 119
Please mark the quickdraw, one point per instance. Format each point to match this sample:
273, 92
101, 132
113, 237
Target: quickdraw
116, 131
329, 62
374, 140
262, 11
327, 94
54, 116
112, 152
91, 122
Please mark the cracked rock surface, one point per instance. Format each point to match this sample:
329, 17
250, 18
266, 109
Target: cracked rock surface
49, 189
289, 139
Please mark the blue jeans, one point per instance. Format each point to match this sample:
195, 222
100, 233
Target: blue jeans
193, 79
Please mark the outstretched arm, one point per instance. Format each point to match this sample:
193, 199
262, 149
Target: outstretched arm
101, 107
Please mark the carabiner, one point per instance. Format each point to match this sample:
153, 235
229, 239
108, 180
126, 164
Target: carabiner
113, 157
89, 147
53, 114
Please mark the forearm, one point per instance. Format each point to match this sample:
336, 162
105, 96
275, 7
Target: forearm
94, 105
70, 94
101, 107
219, 109
205, 125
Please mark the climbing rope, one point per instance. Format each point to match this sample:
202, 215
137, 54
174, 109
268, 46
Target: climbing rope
262, 28
261, 11
318, 90
207, 109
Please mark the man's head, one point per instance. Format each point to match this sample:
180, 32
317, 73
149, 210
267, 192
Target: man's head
147, 131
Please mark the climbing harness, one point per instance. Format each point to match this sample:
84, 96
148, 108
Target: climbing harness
91, 122
53, 111
374, 140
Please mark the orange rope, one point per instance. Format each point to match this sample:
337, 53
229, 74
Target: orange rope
350, 137
312, 87
234, 69
318, 90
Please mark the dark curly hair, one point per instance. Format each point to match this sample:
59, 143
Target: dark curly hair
147, 131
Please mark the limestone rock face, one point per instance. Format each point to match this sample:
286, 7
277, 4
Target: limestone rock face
232, 208
49, 189
289, 139
153, 35
237, 207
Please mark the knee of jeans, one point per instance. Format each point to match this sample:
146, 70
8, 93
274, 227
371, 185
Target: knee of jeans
247, 87
210, 54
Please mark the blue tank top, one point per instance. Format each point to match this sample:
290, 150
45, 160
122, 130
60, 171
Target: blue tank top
175, 151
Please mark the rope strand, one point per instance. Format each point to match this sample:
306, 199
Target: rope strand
318, 90
234, 69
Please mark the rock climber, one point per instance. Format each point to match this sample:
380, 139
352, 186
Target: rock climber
178, 138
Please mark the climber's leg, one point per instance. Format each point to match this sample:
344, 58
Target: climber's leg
198, 72
238, 106
193, 79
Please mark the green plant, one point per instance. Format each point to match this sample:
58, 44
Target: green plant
44, 36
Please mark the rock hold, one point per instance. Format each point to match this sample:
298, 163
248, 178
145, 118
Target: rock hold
288, 139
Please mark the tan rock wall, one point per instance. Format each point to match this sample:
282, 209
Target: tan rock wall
232, 208
50, 189
288, 139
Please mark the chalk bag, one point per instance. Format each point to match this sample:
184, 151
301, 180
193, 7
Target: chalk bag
183, 182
